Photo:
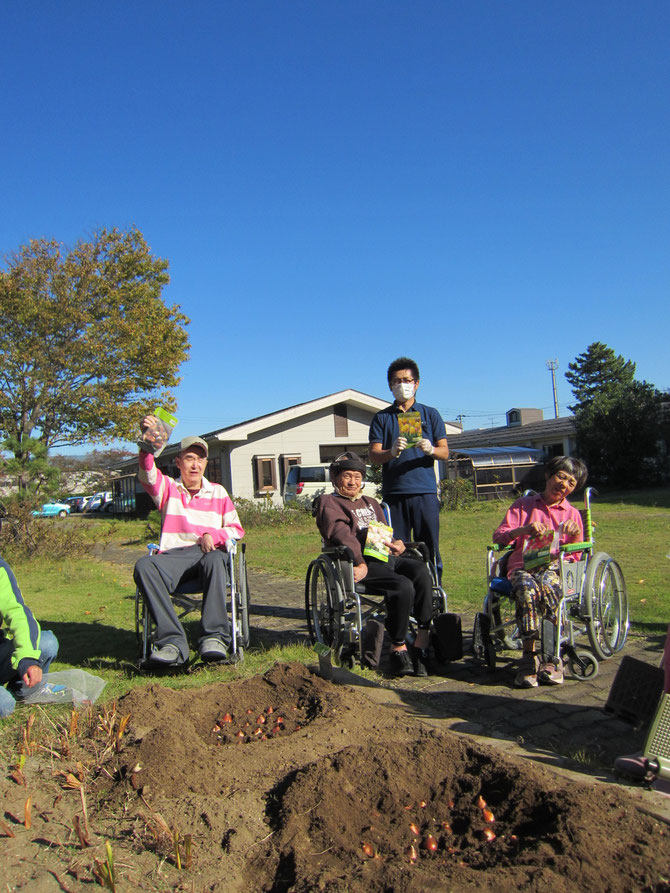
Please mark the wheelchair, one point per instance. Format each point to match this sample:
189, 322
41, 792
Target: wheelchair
594, 603
187, 598
338, 609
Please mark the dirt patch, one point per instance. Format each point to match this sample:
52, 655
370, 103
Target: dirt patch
286, 782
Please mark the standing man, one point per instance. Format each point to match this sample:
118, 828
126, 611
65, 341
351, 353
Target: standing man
408, 473
199, 523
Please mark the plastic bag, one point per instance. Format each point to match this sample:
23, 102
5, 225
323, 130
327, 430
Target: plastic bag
63, 687
155, 439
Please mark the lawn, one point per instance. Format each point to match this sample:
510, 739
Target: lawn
89, 603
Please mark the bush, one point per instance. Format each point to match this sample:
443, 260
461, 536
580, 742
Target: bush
267, 514
23, 536
457, 495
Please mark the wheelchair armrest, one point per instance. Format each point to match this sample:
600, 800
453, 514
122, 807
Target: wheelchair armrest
495, 547
421, 548
576, 547
344, 553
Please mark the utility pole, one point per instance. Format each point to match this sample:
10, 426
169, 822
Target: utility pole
552, 365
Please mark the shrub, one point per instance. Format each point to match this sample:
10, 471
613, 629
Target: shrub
23, 536
267, 514
457, 495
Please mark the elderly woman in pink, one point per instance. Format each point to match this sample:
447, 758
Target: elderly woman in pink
536, 521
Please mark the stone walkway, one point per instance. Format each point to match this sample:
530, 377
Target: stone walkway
564, 726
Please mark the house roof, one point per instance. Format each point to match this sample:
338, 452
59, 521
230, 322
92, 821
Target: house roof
517, 435
242, 430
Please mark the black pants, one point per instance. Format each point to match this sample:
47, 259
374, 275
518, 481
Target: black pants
407, 588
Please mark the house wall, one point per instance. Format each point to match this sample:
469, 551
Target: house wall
303, 437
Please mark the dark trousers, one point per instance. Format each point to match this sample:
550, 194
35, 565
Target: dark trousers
417, 519
407, 589
159, 575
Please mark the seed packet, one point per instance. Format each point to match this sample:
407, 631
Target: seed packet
154, 440
540, 551
378, 540
409, 427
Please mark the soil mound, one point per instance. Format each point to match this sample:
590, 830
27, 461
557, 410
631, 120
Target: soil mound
286, 782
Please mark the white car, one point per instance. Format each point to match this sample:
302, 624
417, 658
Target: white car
310, 481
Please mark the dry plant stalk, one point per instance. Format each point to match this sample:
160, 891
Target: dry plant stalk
6, 830
27, 811
74, 723
84, 840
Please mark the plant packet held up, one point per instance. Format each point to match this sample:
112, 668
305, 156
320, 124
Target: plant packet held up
540, 551
409, 427
155, 439
378, 541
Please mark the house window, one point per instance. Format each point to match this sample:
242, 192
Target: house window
341, 420
287, 462
328, 452
514, 417
265, 472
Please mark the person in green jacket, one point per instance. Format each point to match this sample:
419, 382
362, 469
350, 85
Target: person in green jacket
26, 651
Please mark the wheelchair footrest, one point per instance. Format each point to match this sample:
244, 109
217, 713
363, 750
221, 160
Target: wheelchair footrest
448, 635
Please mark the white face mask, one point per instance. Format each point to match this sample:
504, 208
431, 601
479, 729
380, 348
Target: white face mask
403, 391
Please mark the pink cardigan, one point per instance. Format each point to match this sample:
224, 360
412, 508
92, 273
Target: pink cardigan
186, 518
534, 508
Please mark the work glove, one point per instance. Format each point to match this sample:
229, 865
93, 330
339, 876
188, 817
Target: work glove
399, 444
426, 446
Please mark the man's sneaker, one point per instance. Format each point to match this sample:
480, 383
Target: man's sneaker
400, 662
213, 649
551, 673
167, 654
527, 675
420, 661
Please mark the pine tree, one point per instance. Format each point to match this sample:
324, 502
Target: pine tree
595, 371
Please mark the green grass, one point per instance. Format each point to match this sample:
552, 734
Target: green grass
89, 604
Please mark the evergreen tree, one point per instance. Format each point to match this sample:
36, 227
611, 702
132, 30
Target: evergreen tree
595, 371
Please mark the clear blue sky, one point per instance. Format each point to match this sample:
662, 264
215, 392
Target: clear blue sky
483, 186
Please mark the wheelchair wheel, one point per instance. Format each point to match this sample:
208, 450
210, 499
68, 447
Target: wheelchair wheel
242, 584
583, 666
324, 605
605, 605
144, 627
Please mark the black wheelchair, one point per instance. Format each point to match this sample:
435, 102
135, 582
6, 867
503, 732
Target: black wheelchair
594, 603
338, 609
187, 598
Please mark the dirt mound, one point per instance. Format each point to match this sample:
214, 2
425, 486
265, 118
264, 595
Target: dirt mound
287, 782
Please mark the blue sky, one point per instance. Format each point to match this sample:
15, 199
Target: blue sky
483, 186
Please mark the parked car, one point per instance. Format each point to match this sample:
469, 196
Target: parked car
99, 502
52, 509
76, 503
310, 481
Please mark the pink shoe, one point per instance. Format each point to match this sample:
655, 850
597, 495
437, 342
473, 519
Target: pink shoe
551, 673
527, 675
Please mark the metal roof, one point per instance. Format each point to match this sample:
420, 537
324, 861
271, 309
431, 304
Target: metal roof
496, 456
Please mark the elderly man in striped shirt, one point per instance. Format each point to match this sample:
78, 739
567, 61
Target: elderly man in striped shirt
199, 523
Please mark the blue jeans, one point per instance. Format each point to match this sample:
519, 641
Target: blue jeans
17, 689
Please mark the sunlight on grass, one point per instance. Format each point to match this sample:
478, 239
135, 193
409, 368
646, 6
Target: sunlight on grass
89, 604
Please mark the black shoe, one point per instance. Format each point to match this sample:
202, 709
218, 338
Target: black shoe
400, 663
421, 661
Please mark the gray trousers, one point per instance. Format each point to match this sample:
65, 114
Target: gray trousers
159, 575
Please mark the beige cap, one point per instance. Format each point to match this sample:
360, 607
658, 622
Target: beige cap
193, 441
